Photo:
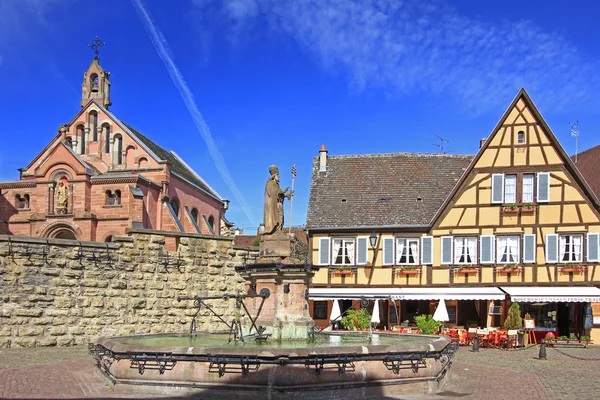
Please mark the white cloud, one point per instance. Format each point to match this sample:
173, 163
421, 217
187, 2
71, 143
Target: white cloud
411, 47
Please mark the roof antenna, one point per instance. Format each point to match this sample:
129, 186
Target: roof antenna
575, 132
441, 144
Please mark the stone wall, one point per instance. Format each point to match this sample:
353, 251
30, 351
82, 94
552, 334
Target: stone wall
59, 292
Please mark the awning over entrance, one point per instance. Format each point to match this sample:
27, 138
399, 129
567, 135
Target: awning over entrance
534, 294
352, 293
467, 293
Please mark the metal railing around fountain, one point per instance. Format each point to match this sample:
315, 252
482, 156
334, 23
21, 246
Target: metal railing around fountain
235, 326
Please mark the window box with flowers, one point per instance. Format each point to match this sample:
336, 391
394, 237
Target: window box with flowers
572, 267
510, 208
408, 270
528, 207
508, 269
466, 269
343, 270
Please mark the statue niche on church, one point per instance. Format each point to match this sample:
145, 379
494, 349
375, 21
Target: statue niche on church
274, 198
62, 198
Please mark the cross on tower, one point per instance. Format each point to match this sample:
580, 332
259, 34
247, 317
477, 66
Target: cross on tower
96, 44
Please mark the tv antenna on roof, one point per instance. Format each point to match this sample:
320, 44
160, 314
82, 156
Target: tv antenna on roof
441, 144
575, 132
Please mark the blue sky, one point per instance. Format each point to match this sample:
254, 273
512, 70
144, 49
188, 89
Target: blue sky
234, 86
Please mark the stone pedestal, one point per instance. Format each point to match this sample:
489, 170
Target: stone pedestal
285, 313
275, 245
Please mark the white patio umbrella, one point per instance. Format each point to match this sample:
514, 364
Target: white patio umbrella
335, 311
441, 313
375, 317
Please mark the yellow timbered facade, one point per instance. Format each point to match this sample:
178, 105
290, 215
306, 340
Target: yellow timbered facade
515, 222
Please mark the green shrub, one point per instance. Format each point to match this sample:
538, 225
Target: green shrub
426, 324
513, 319
356, 319
256, 242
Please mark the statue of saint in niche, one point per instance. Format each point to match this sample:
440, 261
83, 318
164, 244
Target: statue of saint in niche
62, 198
274, 197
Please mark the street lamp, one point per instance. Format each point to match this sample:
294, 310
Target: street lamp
373, 239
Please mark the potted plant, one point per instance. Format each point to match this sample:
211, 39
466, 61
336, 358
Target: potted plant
409, 269
528, 207
573, 267
426, 324
511, 208
514, 321
509, 268
466, 268
343, 270
356, 320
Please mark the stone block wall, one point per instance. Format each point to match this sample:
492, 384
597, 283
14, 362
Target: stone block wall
78, 291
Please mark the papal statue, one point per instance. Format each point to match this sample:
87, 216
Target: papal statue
274, 197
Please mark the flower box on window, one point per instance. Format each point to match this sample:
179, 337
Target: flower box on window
510, 208
408, 270
508, 269
343, 270
527, 207
575, 268
466, 269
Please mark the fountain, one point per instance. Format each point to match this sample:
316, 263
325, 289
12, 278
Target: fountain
272, 349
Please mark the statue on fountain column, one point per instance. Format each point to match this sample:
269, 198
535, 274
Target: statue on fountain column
274, 198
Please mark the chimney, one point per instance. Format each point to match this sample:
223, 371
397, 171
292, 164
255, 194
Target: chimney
482, 142
323, 159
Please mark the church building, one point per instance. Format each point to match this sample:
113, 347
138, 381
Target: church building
99, 176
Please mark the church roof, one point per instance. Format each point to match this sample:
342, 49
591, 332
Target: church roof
378, 190
176, 164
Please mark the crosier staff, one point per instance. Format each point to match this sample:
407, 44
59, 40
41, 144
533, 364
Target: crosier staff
292, 198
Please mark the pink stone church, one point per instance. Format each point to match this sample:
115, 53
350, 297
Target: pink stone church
99, 176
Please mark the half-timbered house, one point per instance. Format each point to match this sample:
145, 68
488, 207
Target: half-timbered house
514, 222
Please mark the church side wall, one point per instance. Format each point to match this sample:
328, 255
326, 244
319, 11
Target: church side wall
67, 297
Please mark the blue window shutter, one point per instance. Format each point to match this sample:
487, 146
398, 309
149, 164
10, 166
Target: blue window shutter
497, 188
487, 249
447, 249
361, 250
593, 244
529, 248
551, 248
427, 250
388, 251
324, 251
543, 188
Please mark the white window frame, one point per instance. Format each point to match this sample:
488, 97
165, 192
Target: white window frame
500, 254
430, 255
537, 198
406, 249
465, 240
321, 241
366, 240
385, 242
492, 249
534, 250
513, 179
595, 238
343, 245
523, 192
494, 176
570, 246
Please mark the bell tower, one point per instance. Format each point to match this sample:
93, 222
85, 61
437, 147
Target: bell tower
95, 80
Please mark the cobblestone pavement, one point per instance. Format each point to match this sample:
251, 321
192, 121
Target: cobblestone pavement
55, 373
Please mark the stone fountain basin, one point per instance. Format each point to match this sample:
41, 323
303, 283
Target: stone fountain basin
286, 369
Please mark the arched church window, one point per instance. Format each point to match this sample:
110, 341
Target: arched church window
81, 134
109, 199
211, 223
175, 206
106, 129
143, 162
118, 146
93, 120
117, 197
94, 79
195, 215
20, 202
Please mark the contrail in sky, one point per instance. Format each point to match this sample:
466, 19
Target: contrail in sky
162, 47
